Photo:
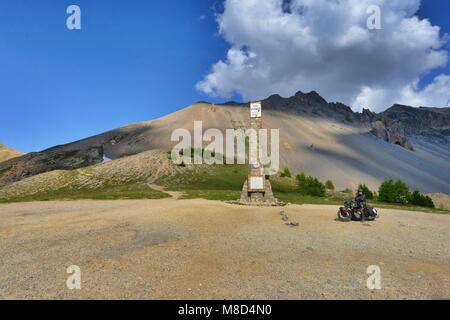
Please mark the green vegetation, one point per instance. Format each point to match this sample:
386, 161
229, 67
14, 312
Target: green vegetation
394, 192
134, 190
398, 192
286, 173
287, 190
421, 200
310, 186
329, 185
216, 182
369, 194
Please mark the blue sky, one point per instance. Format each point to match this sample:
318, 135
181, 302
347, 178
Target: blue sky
438, 12
132, 61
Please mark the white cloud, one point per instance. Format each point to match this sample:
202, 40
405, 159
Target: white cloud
282, 46
436, 93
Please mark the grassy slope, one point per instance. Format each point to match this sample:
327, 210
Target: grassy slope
225, 183
221, 182
122, 179
135, 190
208, 182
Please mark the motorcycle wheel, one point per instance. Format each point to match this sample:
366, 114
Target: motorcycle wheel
343, 216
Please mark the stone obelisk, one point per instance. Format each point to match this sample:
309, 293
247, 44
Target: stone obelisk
257, 189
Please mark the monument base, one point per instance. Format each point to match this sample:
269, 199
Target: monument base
259, 198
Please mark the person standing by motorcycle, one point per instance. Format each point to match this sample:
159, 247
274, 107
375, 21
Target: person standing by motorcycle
357, 210
360, 202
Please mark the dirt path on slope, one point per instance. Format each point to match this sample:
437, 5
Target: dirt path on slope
174, 194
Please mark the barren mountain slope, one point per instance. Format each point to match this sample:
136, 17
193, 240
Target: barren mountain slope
8, 153
328, 141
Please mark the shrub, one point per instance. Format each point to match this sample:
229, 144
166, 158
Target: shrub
286, 173
419, 199
349, 191
310, 186
301, 179
394, 192
367, 191
329, 185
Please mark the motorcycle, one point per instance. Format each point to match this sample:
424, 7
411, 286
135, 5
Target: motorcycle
351, 212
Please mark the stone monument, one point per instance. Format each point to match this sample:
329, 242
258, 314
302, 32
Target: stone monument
257, 190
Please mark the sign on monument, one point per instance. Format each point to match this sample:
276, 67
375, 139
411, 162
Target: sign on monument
256, 183
255, 110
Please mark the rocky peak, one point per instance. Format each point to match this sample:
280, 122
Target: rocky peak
273, 99
420, 121
311, 99
309, 103
393, 126
440, 110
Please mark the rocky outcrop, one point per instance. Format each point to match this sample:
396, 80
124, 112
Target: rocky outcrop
419, 121
391, 132
399, 122
394, 125
53, 159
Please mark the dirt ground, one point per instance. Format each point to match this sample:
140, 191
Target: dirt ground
198, 249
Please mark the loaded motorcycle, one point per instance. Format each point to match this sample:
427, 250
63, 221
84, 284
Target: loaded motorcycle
351, 212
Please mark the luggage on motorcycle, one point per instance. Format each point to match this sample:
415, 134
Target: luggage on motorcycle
371, 213
357, 215
344, 215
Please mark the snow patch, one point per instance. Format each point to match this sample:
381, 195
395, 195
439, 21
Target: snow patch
106, 159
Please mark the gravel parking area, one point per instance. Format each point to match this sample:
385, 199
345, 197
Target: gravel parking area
199, 249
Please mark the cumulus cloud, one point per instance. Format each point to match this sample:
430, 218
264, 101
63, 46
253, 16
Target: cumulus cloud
282, 46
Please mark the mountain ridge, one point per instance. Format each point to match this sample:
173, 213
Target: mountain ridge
308, 124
